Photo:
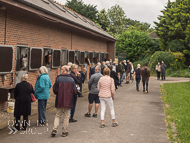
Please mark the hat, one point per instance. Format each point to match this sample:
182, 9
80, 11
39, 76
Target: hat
69, 64
138, 66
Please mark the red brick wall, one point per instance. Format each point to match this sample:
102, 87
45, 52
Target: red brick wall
22, 30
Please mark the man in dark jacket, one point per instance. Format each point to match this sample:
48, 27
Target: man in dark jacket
128, 71
76, 76
64, 88
163, 70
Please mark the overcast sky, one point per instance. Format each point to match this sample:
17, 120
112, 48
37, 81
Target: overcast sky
141, 10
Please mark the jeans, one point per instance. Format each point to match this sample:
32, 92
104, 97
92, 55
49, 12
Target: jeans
66, 115
121, 75
74, 101
109, 102
137, 83
42, 110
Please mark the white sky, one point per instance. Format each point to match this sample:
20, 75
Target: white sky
141, 10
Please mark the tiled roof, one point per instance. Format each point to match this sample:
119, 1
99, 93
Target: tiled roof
56, 9
153, 35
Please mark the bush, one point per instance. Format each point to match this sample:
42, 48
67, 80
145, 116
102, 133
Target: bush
136, 44
160, 56
143, 62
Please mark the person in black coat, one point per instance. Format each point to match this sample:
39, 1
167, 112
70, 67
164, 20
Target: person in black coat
76, 76
114, 76
22, 95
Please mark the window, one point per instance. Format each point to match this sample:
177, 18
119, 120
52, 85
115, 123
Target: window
46, 1
35, 58
102, 57
82, 58
47, 56
22, 58
56, 58
91, 56
71, 56
64, 57
6, 59
77, 57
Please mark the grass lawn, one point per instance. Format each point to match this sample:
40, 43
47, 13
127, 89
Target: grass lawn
176, 97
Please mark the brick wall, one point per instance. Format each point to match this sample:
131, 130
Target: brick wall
21, 30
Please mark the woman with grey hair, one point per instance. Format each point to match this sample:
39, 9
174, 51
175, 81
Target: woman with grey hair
22, 101
43, 84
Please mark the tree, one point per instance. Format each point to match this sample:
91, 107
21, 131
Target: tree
174, 24
117, 18
103, 19
88, 11
137, 44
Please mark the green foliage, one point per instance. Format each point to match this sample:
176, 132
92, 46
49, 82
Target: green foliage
117, 18
177, 73
88, 11
141, 27
176, 46
103, 19
160, 56
178, 99
143, 62
174, 24
137, 45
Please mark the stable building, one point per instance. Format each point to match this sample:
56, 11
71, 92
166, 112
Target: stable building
42, 32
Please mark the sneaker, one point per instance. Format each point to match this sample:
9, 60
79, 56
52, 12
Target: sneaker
102, 125
88, 115
64, 134
95, 115
72, 120
53, 133
115, 124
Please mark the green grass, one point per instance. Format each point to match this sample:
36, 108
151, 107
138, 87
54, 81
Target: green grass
177, 96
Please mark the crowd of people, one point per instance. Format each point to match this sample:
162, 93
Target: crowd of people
104, 80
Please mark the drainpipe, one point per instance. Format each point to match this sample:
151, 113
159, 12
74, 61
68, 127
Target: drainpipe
71, 39
5, 28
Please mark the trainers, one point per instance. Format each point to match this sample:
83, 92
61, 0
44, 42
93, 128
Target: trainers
102, 125
95, 115
53, 133
72, 120
64, 134
115, 124
87, 115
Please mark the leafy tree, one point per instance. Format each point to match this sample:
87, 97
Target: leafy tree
137, 44
88, 11
176, 46
174, 23
117, 18
103, 19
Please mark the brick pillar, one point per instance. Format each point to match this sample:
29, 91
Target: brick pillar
111, 50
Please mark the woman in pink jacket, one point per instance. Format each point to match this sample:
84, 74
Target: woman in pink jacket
106, 90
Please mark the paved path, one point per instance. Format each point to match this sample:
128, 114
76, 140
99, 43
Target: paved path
140, 116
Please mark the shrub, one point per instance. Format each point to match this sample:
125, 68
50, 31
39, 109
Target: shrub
160, 56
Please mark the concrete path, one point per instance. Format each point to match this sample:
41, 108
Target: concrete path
140, 116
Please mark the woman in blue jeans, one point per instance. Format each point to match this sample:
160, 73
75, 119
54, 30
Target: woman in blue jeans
43, 84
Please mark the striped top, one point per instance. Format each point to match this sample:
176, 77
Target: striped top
106, 87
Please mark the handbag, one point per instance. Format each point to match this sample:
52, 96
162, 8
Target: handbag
33, 99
